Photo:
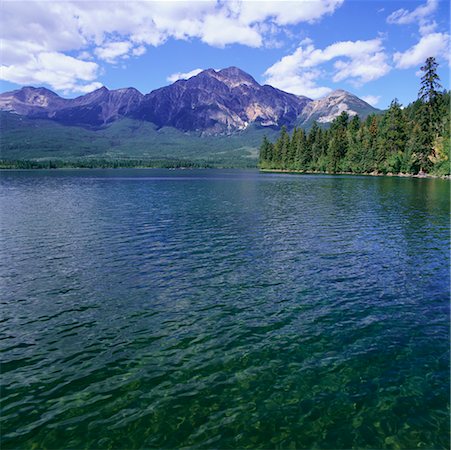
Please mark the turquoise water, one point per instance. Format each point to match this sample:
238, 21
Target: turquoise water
223, 309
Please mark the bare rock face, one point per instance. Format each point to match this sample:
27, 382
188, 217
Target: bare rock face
212, 102
326, 109
31, 102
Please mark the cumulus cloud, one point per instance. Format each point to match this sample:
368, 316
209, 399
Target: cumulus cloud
60, 71
87, 88
111, 51
282, 12
113, 31
431, 43
220, 30
418, 15
373, 100
297, 82
355, 61
183, 75
139, 51
435, 44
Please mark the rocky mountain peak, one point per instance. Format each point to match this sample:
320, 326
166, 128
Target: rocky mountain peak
236, 75
230, 76
100, 92
326, 109
30, 100
338, 92
36, 96
128, 90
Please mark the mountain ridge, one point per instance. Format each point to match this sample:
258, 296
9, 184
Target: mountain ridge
212, 102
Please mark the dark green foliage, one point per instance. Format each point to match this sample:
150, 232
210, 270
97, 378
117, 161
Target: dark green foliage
93, 163
409, 140
430, 85
35, 139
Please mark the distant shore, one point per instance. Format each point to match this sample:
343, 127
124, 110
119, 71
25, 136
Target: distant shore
372, 174
92, 163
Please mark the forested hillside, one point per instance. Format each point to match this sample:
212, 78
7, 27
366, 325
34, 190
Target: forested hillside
402, 140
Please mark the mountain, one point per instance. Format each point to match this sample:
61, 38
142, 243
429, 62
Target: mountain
213, 102
32, 102
326, 109
95, 109
220, 102
100, 107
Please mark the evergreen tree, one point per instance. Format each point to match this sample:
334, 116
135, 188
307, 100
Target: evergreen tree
284, 148
393, 139
302, 156
265, 153
430, 111
430, 84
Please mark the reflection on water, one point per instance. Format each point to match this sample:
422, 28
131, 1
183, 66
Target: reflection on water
223, 309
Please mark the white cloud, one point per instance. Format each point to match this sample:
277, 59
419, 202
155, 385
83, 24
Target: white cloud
431, 43
373, 100
87, 88
113, 31
60, 71
435, 44
111, 51
139, 51
219, 30
282, 12
419, 14
360, 62
183, 75
362, 68
85, 55
298, 83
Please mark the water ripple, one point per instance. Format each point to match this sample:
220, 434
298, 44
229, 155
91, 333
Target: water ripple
223, 309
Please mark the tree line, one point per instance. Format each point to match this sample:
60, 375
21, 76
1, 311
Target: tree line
401, 140
96, 163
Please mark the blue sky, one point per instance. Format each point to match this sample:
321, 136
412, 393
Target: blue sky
371, 48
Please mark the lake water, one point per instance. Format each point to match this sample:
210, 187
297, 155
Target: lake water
223, 309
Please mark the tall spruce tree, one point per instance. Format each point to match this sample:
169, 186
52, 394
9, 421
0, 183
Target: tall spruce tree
430, 119
430, 81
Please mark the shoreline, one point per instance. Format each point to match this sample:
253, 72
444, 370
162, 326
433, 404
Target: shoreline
287, 171
372, 174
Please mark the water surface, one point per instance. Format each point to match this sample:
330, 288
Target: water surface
223, 309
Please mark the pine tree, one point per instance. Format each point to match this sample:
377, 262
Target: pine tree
265, 153
430, 84
352, 162
302, 156
430, 111
284, 148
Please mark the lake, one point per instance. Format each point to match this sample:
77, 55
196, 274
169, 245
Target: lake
223, 309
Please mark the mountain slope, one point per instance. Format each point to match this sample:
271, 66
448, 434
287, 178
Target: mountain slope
326, 109
30, 139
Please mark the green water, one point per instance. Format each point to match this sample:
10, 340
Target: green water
223, 309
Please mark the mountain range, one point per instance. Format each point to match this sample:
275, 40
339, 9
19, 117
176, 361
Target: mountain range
215, 102
227, 102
